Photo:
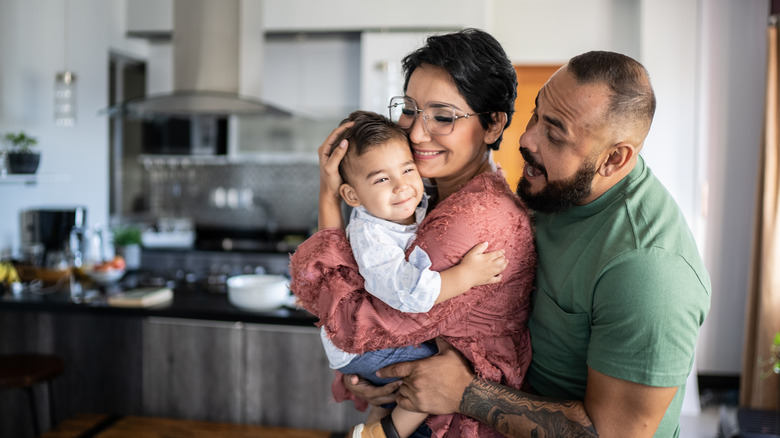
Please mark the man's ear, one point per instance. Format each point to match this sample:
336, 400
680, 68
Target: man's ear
496, 128
349, 195
620, 155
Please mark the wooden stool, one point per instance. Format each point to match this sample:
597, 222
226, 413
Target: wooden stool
26, 370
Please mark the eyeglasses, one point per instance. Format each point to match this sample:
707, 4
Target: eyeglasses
439, 118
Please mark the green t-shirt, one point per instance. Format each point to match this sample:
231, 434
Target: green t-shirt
621, 288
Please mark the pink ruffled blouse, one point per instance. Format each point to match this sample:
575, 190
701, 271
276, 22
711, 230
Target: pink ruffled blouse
488, 324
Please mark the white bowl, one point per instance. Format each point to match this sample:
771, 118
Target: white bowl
258, 292
106, 277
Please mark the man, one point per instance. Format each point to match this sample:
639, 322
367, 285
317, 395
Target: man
621, 290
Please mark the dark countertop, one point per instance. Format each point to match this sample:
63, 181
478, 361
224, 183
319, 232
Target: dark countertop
190, 303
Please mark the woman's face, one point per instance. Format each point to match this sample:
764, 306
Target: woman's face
459, 154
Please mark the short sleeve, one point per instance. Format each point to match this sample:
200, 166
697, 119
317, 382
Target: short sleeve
647, 310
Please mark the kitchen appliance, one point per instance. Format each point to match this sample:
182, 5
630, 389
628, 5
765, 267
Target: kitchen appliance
51, 227
206, 43
193, 135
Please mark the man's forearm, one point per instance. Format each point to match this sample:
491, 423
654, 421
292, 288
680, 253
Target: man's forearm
518, 414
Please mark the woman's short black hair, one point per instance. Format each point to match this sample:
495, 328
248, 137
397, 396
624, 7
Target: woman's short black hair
478, 65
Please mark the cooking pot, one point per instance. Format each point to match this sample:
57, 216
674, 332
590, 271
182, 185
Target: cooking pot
258, 292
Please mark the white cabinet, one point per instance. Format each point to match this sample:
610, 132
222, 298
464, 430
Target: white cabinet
380, 66
316, 75
359, 15
149, 18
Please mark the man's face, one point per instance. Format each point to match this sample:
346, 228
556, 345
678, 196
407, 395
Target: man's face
562, 144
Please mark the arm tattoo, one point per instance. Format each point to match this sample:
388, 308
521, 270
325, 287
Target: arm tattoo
515, 413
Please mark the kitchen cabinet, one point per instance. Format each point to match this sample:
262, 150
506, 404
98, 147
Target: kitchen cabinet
352, 15
226, 371
149, 18
288, 380
240, 373
154, 18
381, 76
193, 369
315, 75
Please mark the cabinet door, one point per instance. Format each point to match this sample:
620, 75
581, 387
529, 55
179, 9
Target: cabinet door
193, 369
288, 381
381, 76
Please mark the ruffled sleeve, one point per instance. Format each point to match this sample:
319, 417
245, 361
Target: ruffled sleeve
326, 281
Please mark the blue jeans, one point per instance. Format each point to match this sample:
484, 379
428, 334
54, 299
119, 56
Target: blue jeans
367, 364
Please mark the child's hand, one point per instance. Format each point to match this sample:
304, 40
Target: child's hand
477, 268
480, 267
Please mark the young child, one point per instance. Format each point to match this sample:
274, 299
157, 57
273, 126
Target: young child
386, 192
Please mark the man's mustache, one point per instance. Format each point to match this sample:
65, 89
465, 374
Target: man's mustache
532, 161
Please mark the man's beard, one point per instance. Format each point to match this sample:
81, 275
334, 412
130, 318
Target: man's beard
557, 196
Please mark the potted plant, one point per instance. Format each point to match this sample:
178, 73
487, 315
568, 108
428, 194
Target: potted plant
22, 158
127, 241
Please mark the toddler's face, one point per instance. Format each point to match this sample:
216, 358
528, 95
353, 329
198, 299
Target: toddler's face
385, 181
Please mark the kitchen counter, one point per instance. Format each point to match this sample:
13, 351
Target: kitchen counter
197, 357
187, 302
197, 299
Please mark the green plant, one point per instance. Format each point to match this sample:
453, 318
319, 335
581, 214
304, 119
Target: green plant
776, 354
21, 142
127, 235
771, 365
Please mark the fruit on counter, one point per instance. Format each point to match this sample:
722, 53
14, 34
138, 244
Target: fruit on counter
117, 263
8, 273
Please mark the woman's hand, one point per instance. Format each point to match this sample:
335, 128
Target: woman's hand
330, 180
375, 395
433, 385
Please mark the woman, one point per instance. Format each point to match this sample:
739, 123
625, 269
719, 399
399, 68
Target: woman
459, 97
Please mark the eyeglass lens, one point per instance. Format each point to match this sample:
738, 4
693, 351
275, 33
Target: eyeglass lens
439, 118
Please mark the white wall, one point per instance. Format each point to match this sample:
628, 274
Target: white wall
552, 31
731, 115
74, 163
705, 58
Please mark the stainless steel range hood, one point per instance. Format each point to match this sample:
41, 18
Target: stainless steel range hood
206, 39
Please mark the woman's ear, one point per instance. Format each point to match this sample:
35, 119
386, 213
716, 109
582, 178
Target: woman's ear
496, 128
349, 195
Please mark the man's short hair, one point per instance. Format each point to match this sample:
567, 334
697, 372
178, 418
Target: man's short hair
632, 94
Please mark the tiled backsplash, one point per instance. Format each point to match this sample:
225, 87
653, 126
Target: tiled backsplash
262, 193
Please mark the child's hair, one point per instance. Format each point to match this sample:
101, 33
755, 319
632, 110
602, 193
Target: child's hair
370, 129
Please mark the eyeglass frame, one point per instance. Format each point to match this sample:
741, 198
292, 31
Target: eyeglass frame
417, 111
